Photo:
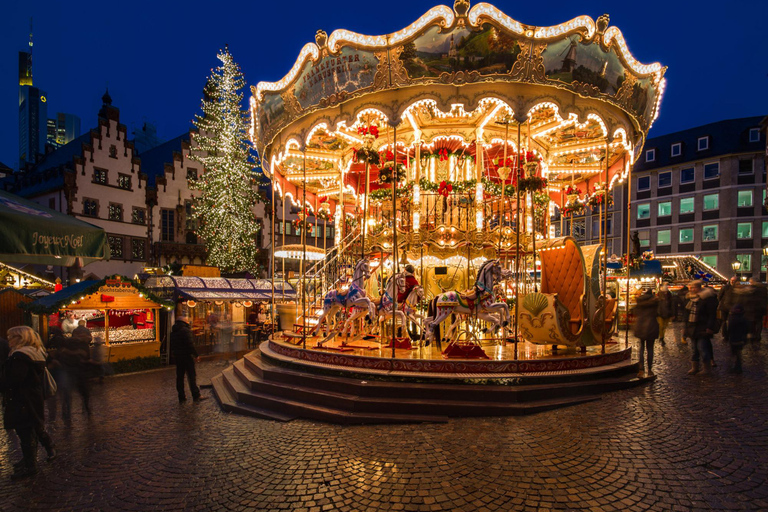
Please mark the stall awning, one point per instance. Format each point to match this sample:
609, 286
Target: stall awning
218, 288
30, 233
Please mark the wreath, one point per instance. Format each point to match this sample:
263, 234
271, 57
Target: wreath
391, 172
597, 199
367, 155
532, 184
572, 208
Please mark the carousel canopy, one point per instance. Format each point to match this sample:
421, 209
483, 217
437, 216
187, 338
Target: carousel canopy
435, 99
218, 288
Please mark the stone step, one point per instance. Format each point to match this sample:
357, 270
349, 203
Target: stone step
399, 404
475, 393
228, 402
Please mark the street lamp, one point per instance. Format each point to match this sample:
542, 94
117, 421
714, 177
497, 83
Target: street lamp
736, 265
765, 250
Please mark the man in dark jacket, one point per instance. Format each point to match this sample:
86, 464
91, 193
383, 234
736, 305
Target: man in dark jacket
761, 295
703, 319
725, 303
739, 328
666, 310
646, 328
184, 355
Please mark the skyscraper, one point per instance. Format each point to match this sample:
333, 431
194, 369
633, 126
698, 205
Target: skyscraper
33, 111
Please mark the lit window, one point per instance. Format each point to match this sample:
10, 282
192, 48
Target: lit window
687, 175
703, 143
709, 233
124, 181
664, 237
665, 179
139, 216
677, 149
138, 249
764, 263
754, 135
115, 246
746, 262
100, 176
712, 170
115, 212
650, 155
710, 260
765, 229
744, 198
686, 235
645, 238
744, 230
192, 174
712, 202
665, 209
90, 207
745, 166
643, 183
644, 211
686, 205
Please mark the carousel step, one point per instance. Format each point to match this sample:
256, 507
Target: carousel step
311, 410
267, 371
445, 406
228, 402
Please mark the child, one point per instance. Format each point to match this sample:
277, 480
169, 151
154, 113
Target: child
738, 328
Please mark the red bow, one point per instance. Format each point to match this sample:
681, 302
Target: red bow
443, 153
390, 155
323, 199
444, 189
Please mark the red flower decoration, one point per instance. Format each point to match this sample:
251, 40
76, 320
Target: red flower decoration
374, 130
390, 156
443, 154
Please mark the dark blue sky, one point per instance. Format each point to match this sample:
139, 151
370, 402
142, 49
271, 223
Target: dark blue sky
156, 55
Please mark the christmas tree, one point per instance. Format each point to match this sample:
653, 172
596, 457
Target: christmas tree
226, 190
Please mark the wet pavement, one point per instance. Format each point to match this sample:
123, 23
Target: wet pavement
680, 443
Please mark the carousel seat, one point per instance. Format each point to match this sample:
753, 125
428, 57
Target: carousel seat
563, 274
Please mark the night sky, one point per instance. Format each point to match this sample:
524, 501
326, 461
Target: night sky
155, 56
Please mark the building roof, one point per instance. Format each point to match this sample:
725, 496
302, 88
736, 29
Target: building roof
153, 161
5, 168
725, 137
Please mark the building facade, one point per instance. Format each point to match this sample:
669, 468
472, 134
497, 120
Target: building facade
701, 192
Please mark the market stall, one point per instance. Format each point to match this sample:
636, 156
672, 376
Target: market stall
225, 314
120, 312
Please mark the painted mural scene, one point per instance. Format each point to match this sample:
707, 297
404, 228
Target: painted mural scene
469, 217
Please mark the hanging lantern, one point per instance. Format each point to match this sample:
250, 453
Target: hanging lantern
247, 303
191, 303
218, 302
237, 304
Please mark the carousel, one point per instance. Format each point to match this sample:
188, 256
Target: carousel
453, 158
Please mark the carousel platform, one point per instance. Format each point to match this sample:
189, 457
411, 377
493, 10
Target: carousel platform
282, 382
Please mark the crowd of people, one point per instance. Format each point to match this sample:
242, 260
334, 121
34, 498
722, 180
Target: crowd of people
737, 311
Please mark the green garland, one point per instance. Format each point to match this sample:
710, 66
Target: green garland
37, 309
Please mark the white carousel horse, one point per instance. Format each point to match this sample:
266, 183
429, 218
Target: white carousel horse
353, 297
395, 283
406, 310
478, 302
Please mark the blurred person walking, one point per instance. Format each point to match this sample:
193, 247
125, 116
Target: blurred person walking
666, 310
702, 319
760, 295
23, 379
185, 355
725, 298
646, 328
738, 329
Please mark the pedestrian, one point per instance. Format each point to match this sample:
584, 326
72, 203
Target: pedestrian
646, 328
725, 303
74, 354
738, 330
55, 342
69, 323
761, 296
681, 299
666, 310
185, 355
702, 310
22, 383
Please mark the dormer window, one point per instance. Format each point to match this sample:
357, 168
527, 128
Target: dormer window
703, 143
754, 135
677, 149
650, 155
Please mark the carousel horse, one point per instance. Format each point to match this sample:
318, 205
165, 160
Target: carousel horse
395, 283
406, 310
353, 297
476, 302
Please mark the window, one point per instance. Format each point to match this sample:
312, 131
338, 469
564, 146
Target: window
115, 246
703, 143
686, 205
100, 176
90, 207
754, 135
663, 237
709, 233
745, 166
764, 263
116, 212
192, 174
686, 235
677, 149
645, 238
190, 223
287, 228
643, 183
746, 262
329, 231
744, 198
765, 229
650, 155
644, 211
665, 209
710, 260
687, 175
167, 221
124, 181
744, 230
139, 216
712, 170
712, 202
138, 249
665, 179
112, 151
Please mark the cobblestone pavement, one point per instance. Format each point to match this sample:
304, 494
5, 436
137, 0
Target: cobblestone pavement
681, 443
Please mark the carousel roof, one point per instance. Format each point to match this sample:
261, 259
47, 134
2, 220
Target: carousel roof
582, 104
